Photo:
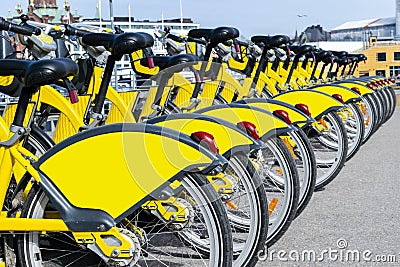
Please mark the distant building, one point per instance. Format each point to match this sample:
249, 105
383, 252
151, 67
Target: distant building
383, 59
314, 33
383, 28
46, 11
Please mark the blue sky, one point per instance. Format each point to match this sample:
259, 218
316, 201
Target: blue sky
250, 17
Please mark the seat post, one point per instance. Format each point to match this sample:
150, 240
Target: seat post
22, 106
101, 96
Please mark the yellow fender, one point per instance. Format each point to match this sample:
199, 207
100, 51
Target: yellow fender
3, 130
122, 163
227, 136
297, 118
318, 103
360, 85
346, 93
50, 96
264, 121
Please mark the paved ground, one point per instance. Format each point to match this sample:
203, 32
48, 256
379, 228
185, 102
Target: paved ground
356, 216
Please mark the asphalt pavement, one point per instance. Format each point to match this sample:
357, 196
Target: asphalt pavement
355, 220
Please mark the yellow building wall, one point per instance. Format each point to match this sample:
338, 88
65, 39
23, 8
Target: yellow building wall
372, 64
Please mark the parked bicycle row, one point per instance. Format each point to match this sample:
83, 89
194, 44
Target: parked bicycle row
206, 163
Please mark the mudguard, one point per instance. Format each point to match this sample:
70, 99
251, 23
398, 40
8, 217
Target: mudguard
347, 94
318, 103
362, 86
297, 117
88, 173
229, 138
48, 95
267, 124
3, 130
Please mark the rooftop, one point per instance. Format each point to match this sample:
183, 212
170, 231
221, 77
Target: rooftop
367, 23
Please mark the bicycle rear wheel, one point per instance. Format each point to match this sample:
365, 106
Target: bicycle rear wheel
162, 242
277, 169
354, 125
330, 148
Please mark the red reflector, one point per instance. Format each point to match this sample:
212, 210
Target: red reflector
393, 80
338, 97
370, 85
237, 48
249, 128
73, 96
304, 108
356, 89
150, 62
205, 139
283, 115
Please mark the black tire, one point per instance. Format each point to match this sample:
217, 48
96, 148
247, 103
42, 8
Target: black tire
357, 131
287, 186
307, 183
38, 141
381, 109
327, 170
392, 94
369, 117
259, 232
391, 103
375, 106
37, 202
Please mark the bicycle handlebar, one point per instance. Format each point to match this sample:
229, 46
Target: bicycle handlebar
69, 30
21, 29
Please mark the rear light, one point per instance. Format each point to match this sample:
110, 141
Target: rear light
150, 62
249, 128
304, 108
356, 90
237, 47
206, 140
338, 97
73, 96
375, 84
393, 80
370, 85
283, 115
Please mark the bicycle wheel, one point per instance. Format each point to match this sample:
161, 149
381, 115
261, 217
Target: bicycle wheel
38, 142
330, 149
162, 243
391, 103
369, 116
354, 125
276, 167
386, 104
392, 94
246, 207
306, 166
379, 107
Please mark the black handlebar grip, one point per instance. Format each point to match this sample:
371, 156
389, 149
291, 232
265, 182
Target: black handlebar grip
69, 30
175, 38
21, 29
197, 40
